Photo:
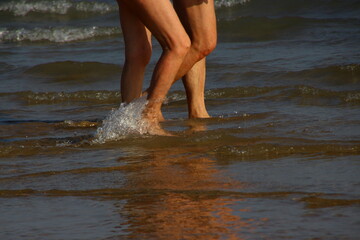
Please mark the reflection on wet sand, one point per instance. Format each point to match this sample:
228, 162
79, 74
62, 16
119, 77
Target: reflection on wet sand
197, 125
178, 203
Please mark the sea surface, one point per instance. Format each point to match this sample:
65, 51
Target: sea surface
279, 159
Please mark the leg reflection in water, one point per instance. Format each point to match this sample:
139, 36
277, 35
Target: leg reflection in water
180, 194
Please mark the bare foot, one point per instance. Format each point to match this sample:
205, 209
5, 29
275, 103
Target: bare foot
197, 109
157, 130
153, 119
199, 114
160, 115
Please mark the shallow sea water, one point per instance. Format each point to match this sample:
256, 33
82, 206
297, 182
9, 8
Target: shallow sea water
279, 159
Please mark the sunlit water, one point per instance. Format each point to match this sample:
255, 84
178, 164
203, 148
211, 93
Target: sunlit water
279, 159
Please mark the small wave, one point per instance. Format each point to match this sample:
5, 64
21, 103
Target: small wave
40, 146
250, 91
24, 7
263, 151
338, 74
299, 91
77, 124
56, 34
335, 74
79, 97
122, 122
62, 7
109, 97
75, 71
5, 67
250, 28
344, 96
317, 9
85, 97
263, 28
229, 3
113, 97
175, 96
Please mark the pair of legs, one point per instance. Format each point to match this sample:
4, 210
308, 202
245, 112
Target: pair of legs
186, 36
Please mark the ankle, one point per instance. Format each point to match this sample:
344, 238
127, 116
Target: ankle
199, 113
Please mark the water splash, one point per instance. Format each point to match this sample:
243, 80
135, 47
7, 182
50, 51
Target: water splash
122, 122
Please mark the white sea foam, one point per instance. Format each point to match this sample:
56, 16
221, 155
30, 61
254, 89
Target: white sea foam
23, 7
229, 3
122, 122
56, 34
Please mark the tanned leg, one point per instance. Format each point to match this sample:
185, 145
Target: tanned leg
137, 40
199, 20
194, 82
163, 22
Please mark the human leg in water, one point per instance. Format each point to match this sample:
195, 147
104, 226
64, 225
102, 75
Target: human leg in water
163, 22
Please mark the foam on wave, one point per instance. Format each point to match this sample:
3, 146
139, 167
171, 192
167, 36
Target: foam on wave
229, 3
56, 34
24, 7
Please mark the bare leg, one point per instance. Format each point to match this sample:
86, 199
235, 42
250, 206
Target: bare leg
137, 53
161, 19
198, 18
194, 82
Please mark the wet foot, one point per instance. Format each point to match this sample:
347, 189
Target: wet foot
197, 109
160, 116
154, 119
199, 114
157, 130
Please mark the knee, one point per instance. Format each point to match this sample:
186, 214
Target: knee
204, 47
139, 55
180, 45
